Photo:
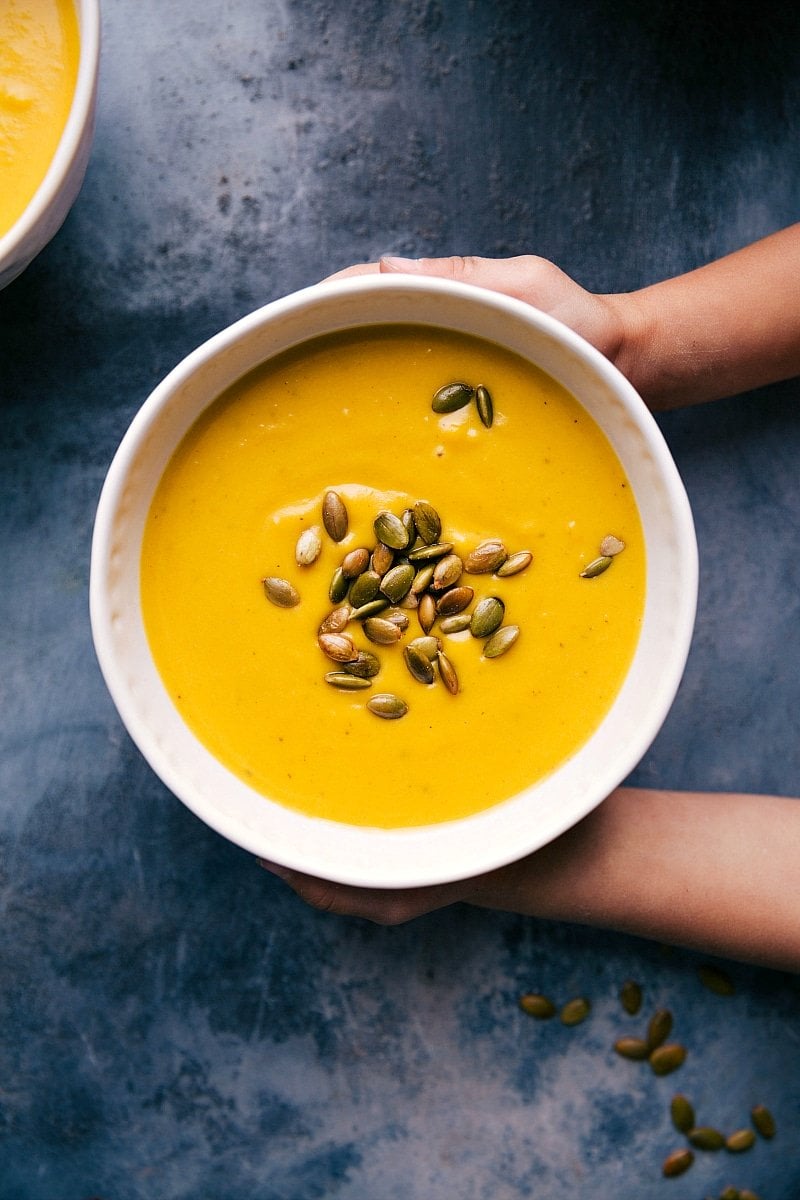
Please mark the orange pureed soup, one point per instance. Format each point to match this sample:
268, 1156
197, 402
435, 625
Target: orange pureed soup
39, 52
352, 413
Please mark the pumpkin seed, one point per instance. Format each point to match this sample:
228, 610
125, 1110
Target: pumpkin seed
427, 521
732, 1193
716, 980
309, 547
371, 609
409, 601
487, 617
384, 633
397, 617
483, 401
611, 545
418, 664
487, 556
388, 706
409, 525
514, 564
426, 554
338, 646
665, 1059
763, 1120
426, 612
397, 582
447, 673
337, 620
677, 1162
741, 1140
632, 1047
705, 1137
682, 1113
501, 642
390, 530
366, 666
596, 567
382, 559
365, 588
456, 624
538, 1006
429, 646
422, 580
575, 1011
355, 562
334, 516
659, 1028
452, 397
454, 601
347, 682
630, 995
446, 573
338, 588
280, 592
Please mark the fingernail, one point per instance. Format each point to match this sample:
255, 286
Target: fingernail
406, 266
275, 868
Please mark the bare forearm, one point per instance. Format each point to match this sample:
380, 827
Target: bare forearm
717, 872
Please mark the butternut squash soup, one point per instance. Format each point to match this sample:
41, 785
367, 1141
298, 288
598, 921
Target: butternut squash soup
393, 576
39, 52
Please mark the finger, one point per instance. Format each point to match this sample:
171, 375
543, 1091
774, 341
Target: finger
351, 272
514, 276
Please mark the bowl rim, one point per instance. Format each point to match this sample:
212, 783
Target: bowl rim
367, 865
81, 115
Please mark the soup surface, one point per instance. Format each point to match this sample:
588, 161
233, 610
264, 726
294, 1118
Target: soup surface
39, 51
352, 412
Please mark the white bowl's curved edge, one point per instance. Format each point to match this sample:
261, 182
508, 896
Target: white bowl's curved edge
59, 189
418, 857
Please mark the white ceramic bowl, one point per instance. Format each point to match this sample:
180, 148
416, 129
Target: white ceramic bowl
57, 192
450, 850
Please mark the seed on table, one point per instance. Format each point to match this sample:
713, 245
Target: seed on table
334, 516
487, 617
383, 633
611, 545
366, 666
454, 601
338, 646
705, 1137
596, 567
338, 588
665, 1059
371, 609
429, 646
427, 554
396, 583
309, 547
426, 612
634, 1048
427, 521
456, 624
447, 572
488, 556
677, 1162
280, 592
483, 402
659, 1028
355, 562
422, 580
388, 706
742, 1139
630, 995
575, 1011
365, 588
337, 620
716, 980
346, 682
763, 1120
514, 564
447, 673
682, 1113
382, 559
538, 1006
419, 665
500, 642
452, 397
390, 530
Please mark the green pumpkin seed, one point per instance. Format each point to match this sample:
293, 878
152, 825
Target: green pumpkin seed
665, 1059
427, 521
514, 564
682, 1113
371, 609
409, 525
483, 402
388, 706
630, 995
338, 588
659, 1028
610, 546
676, 1163
597, 567
418, 664
280, 592
538, 1006
633, 1048
397, 582
488, 556
397, 617
447, 572
454, 601
763, 1120
390, 530
347, 682
501, 642
452, 397
382, 559
422, 580
426, 612
716, 980
338, 646
383, 633
355, 562
741, 1140
309, 547
366, 666
337, 620
426, 554
429, 646
456, 624
705, 1137
365, 588
487, 617
334, 516
575, 1011
447, 673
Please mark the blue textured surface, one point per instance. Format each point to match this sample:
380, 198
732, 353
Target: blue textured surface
175, 1024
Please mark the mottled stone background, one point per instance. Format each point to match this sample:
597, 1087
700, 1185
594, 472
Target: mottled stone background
174, 1024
